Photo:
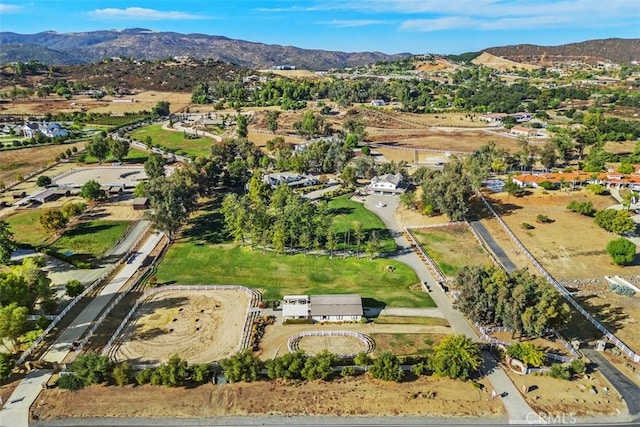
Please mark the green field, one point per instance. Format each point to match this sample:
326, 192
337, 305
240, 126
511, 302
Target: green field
90, 240
402, 320
26, 227
348, 213
134, 156
174, 140
452, 247
196, 264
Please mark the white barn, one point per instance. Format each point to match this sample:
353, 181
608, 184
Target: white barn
323, 308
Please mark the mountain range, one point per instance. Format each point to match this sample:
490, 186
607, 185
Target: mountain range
75, 48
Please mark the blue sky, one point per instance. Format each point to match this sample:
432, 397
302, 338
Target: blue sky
390, 26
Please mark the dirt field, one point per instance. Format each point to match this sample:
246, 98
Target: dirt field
337, 345
546, 345
51, 104
342, 397
556, 396
26, 160
201, 327
276, 336
501, 64
573, 246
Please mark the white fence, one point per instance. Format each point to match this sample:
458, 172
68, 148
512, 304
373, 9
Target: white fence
294, 340
561, 289
73, 302
254, 299
426, 258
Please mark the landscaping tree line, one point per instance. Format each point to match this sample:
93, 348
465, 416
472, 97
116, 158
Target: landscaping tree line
455, 357
526, 304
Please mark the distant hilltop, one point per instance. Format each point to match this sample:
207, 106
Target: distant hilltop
51, 47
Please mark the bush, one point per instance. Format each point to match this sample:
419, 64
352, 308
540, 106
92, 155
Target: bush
597, 189
122, 374
547, 185
298, 322
74, 288
70, 382
348, 371
543, 219
387, 367
622, 251
577, 367
201, 373
362, 359
615, 221
527, 226
560, 371
144, 376
43, 181
583, 208
419, 369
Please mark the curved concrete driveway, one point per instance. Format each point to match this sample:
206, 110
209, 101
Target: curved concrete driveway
516, 406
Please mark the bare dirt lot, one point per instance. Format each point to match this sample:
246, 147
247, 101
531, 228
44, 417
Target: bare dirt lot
338, 345
200, 326
275, 338
342, 397
556, 396
26, 160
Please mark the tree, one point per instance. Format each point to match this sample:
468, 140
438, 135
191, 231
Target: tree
242, 123
615, 221
119, 148
122, 374
243, 366
90, 190
387, 367
172, 200
201, 373
528, 353
457, 356
74, 288
372, 246
173, 373
622, 251
365, 150
310, 125
6, 365
92, 368
348, 176
73, 209
154, 166
69, 382
448, 191
161, 109
548, 156
408, 199
43, 181
53, 220
98, 147
272, 120
288, 366
13, 323
7, 242
319, 367
362, 359
560, 371
358, 236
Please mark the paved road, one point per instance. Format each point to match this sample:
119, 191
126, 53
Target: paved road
16, 412
515, 404
497, 250
629, 391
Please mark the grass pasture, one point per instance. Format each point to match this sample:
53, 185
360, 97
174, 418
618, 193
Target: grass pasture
403, 344
90, 240
452, 247
348, 214
188, 263
25, 226
174, 140
402, 320
135, 156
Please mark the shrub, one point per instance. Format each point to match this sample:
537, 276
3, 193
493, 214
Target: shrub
543, 219
577, 367
70, 382
622, 251
615, 221
560, 371
419, 369
583, 208
547, 185
144, 376
527, 226
387, 367
122, 374
200, 373
348, 371
597, 188
74, 288
362, 359
43, 181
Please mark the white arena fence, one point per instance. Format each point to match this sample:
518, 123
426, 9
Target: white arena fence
561, 289
294, 341
73, 302
252, 311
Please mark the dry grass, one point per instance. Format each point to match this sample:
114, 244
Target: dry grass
355, 396
501, 64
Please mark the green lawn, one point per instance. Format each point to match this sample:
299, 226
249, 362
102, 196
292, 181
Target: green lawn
26, 228
348, 213
90, 240
174, 140
452, 247
188, 263
135, 156
402, 320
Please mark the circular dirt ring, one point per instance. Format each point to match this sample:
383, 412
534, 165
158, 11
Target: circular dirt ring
344, 343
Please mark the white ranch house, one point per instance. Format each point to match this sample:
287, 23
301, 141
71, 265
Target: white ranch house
51, 130
323, 308
388, 184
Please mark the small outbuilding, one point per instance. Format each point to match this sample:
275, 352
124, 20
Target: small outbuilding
140, 204
336, 308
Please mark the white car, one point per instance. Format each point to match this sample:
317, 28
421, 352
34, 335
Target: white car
381, 205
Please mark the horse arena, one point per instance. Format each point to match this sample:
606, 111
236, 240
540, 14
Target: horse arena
200, 326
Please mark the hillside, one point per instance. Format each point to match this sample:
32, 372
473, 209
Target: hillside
144, 44
620, 51
499, 63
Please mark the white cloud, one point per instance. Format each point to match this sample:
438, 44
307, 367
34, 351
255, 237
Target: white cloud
457, 23
346, 23
9, 8
140, 13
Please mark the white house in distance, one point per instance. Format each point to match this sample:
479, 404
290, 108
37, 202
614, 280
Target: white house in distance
292, 179
388, 184
52, 130
323, 308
